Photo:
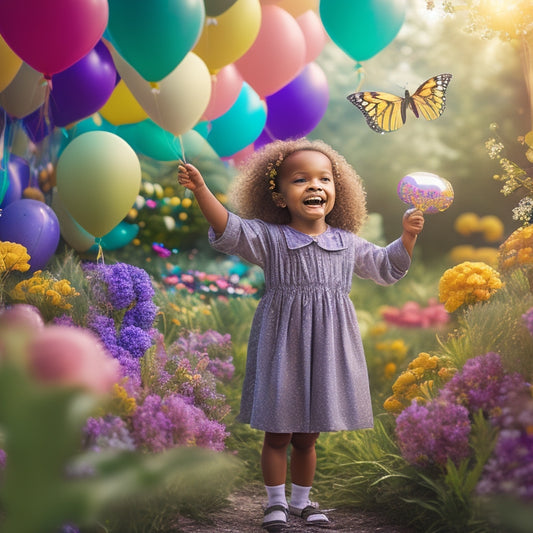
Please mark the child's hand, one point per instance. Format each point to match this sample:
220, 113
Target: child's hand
413, 221
189, 176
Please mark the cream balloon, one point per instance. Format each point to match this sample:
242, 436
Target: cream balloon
98, 179
73, 234
122, 108
178, 101
25, 93
227, 37
10, 62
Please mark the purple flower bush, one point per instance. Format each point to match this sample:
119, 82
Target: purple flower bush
433, 433
482, 384
438, 431
509, 471
162, 423
2, 459
108, 432
122, 313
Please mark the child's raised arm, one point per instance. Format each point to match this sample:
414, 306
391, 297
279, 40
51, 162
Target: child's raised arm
413, 223
214, 212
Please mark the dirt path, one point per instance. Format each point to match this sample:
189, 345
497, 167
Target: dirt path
244, 515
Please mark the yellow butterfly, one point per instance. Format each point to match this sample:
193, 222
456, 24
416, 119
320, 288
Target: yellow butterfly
386, 112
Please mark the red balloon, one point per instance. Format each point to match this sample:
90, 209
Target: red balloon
52, 36
278, 52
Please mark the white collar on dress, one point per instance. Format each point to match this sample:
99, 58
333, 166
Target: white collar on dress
331, 240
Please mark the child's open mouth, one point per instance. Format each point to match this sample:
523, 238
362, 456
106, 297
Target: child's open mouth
314, 200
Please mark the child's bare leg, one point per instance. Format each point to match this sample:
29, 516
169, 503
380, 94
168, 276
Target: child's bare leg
303, 458
274, 467
303, 466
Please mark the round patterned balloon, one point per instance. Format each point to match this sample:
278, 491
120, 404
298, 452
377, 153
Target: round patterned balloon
425, 191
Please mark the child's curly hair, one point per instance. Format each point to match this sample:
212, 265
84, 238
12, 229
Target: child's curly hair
251, 192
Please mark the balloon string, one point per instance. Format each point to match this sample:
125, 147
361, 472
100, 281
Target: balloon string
100, 256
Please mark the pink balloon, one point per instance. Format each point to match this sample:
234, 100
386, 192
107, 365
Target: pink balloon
52, 36
314, 33
226, 85
277, 55
241, 156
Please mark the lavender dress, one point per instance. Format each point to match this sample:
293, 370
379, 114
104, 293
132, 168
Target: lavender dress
306, 370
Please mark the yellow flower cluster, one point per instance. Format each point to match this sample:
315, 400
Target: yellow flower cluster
490, 226
43, 290
468, 283
417, 382
13, 256
466, 252
517, 250
121, 403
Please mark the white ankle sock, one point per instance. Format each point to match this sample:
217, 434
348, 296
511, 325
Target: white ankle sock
300, 496
276, 496
300, 499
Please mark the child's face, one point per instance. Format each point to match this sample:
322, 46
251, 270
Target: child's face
306, 184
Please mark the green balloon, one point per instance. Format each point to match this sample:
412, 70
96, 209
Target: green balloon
98, 180
362, 29
214, 8
153, 36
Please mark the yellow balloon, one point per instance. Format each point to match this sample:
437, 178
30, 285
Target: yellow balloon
98, 180
122, 108
227, 37
178, 101
10, 64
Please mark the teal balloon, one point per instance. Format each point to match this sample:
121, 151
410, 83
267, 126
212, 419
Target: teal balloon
362, 29
153, 36
121, 235
149, 139
92, 123
240, 126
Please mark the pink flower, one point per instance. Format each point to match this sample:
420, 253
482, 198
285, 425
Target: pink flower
21, 315
412, 315
61, 355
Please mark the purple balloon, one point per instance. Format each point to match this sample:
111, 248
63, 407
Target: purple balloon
82, 89
34, 225
18, 175
297, 108
262, 140
37, 126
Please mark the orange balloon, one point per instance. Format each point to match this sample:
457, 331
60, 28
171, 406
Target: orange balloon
277, 55
298, 7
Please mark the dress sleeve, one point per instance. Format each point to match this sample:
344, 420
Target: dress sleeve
248, 239
384, 265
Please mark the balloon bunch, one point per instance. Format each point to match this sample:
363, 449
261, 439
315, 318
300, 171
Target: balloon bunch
124, 78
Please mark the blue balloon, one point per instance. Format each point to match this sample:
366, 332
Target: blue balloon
240, 125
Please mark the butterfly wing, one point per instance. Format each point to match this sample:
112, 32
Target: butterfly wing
383, 112
429, 100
